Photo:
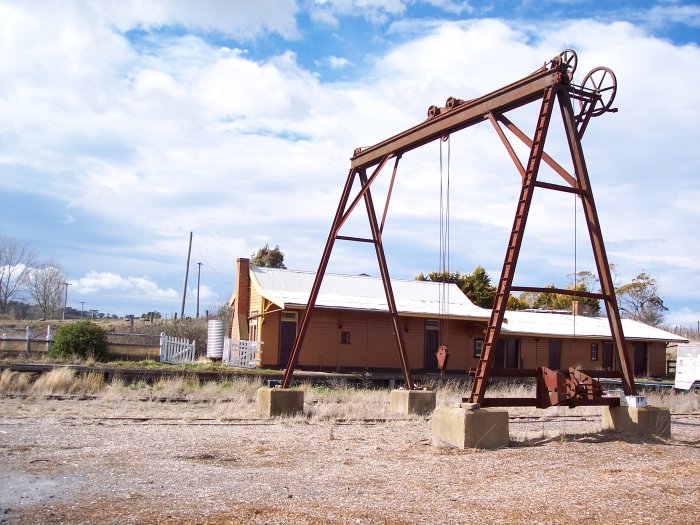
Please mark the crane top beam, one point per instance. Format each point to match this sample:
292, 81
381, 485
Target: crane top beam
463, 114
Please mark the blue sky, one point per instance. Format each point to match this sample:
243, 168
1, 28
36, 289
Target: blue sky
124, 126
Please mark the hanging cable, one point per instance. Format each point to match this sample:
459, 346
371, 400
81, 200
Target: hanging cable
444, 264
578, 305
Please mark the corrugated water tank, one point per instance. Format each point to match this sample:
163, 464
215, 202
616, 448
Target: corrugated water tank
215, 339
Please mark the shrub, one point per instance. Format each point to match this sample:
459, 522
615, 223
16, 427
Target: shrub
81, 339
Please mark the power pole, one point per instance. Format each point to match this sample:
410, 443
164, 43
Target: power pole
199, 270
82, 304
65, 300
187, 274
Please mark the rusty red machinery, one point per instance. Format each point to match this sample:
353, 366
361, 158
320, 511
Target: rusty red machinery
551, 85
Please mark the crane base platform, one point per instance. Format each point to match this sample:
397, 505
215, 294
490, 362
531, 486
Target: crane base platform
638, 422
469, 426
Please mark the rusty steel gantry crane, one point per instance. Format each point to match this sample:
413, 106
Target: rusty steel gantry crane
552, 84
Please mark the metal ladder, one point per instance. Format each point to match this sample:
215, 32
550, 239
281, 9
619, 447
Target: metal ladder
483, 369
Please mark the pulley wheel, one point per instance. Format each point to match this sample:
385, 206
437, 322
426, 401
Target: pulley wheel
433, 111
570, 60
601, 81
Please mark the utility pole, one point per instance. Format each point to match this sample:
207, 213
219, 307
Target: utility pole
65, 300
187, 274
82, 304
199, 270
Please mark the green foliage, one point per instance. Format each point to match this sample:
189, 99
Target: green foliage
268, 257
518, 302
476, 285
478, 288
81, 339
585, 281
639, 300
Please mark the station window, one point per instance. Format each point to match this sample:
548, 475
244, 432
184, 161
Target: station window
344, 338
478, 347
594, 351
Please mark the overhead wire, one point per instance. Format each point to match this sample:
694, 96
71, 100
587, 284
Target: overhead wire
444, 263
575, 310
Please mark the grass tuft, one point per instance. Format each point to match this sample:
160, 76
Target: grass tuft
57, 381
14, 382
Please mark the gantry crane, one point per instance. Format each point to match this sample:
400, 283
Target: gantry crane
552, 85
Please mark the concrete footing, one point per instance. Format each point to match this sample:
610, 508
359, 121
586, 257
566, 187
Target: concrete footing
470, 427
280, 401
638, 422
407, 402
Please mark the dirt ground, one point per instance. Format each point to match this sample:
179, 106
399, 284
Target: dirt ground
103, 461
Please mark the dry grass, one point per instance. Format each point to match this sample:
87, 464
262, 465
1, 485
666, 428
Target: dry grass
345, 403
14, 382
236, 397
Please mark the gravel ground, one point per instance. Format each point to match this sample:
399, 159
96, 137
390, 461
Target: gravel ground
143, 462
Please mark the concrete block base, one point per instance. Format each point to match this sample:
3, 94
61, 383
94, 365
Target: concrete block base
407, 402
280, 401
638, 422
468, 427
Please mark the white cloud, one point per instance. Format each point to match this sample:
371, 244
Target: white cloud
141, 288
683, 318
182, 134
239, 19
374, 11
661, 15
338, 62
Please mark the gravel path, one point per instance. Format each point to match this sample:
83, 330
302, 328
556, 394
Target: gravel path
142, 462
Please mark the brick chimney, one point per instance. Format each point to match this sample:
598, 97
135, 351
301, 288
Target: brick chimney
575, 308
241, 311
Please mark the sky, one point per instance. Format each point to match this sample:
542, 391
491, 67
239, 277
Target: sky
124, 126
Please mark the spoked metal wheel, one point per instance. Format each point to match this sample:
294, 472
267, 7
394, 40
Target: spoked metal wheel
601, 81
570, 60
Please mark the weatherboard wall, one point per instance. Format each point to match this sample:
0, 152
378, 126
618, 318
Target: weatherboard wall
372, 344
346, 339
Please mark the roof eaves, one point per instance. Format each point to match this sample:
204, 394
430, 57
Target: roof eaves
265, 293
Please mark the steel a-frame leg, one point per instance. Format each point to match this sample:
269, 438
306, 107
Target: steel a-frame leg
340, 218
580, 185
315, 289
505, 282
601, 259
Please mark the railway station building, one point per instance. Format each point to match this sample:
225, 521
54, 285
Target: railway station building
351, 330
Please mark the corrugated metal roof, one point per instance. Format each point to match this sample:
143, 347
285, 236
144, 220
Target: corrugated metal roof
567, 325
291, 288
359, 292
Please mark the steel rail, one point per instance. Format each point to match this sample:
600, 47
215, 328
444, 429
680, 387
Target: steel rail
512, 96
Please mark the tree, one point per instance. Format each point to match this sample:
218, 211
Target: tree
441, 277
518, 302
268, 257
639, 300
585, 282
45, 286
476, 285
16, 261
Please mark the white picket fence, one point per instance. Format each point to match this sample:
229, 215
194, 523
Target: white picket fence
241, 353
174, 350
